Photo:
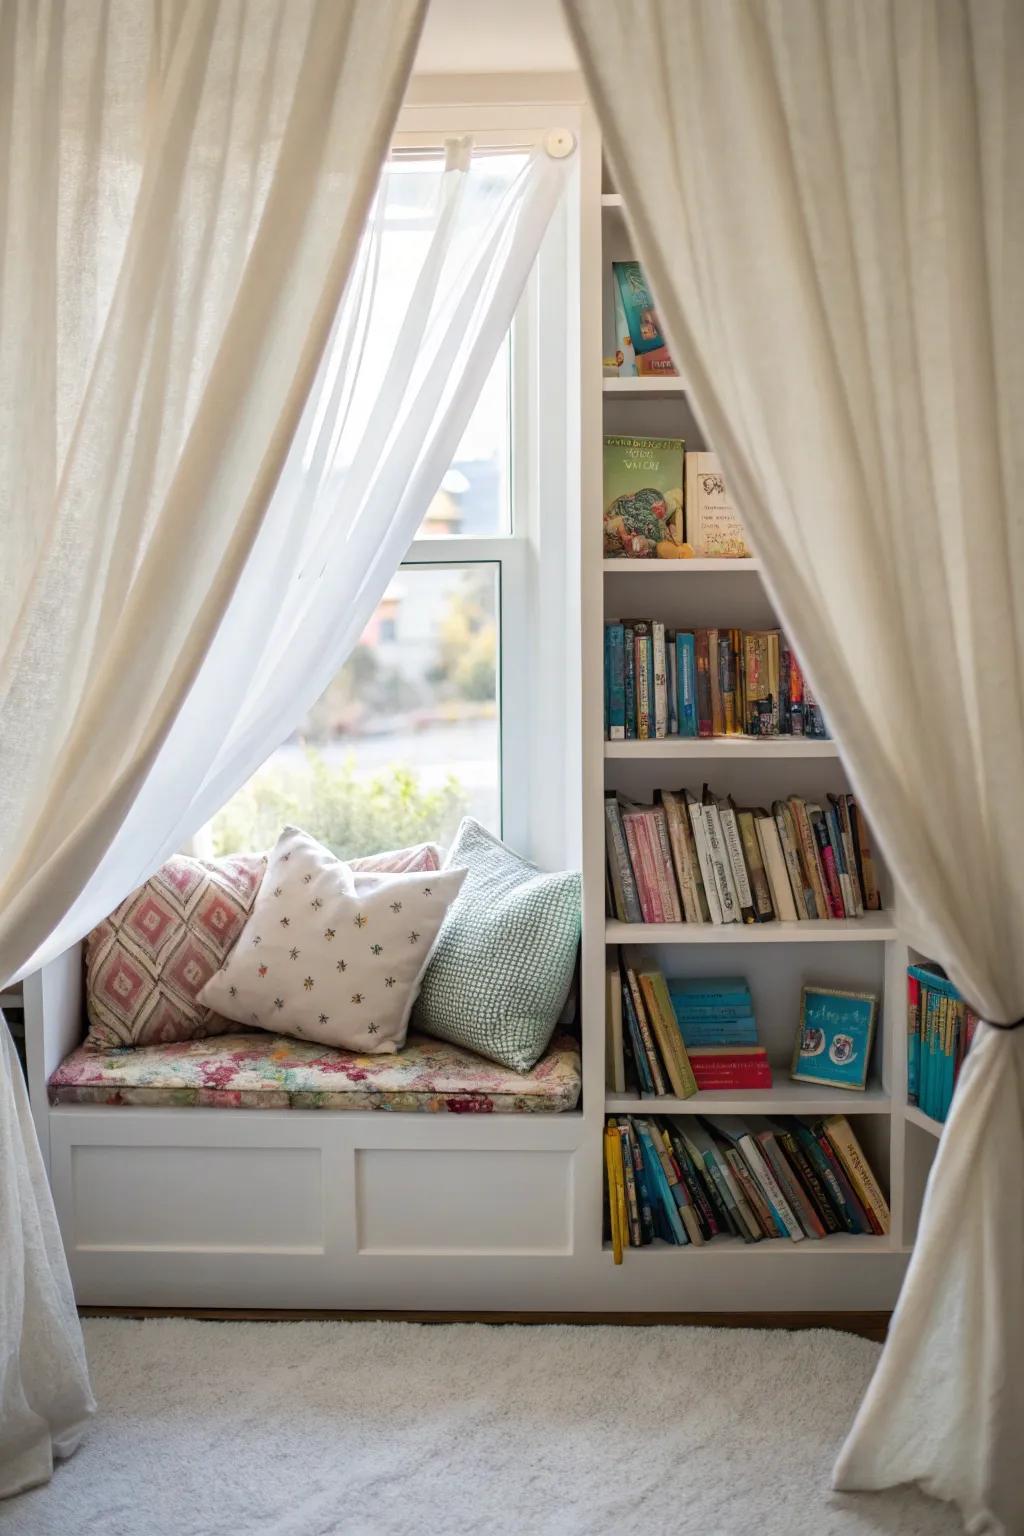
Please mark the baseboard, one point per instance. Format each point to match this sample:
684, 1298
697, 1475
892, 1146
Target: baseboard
868, 1325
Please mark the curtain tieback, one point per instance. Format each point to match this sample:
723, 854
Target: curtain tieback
994, 1023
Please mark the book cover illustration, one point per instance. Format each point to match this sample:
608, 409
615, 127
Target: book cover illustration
643, 498
713, 527
834, 1040
639, 327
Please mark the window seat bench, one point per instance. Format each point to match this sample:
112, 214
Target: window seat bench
262, 1071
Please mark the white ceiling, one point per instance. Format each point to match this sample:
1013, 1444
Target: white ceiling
494, 37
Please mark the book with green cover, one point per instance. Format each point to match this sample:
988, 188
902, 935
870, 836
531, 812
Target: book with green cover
643, 498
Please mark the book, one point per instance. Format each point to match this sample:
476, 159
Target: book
615, 673
615, 1061
629, 680
620, 866
764, 911
721, 1067
848, 1150
865, 859
635, 302
715, 684
702, 653
684, 858
660, 680
713, 527
737, 864
686, 681
616, 1191
643, 1027
775, 867
643, 667
718, 859
666, 1033
643, 498
645, 858
638, 1049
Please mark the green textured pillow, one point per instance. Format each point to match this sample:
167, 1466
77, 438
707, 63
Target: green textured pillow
503, 964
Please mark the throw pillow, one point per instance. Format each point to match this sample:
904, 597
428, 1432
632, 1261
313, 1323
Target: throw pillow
504, 962
330, 953
400, 860
146, 963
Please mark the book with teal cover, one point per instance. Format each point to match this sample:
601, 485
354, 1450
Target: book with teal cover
615, 662
709, 989
686, 683
639, 311
656, 1177
696, 1032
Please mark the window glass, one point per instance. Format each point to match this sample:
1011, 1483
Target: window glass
406, 739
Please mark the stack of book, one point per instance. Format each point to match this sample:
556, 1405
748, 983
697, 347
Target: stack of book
686, 1179
940, 1028
679, 1036
704, 859
661, 683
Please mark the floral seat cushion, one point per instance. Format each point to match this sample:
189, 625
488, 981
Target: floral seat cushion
262, 1071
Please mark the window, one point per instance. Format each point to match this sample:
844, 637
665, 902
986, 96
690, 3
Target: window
428, 719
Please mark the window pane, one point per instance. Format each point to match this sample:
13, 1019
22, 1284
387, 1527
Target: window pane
405, 741
475, 494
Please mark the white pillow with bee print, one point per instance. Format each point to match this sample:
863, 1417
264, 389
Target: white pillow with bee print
332, 954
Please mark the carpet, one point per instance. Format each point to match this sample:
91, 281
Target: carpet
390, 1429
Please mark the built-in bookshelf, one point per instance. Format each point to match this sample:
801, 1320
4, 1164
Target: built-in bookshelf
777, 957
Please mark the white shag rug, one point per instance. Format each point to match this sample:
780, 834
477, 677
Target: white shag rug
396, 1429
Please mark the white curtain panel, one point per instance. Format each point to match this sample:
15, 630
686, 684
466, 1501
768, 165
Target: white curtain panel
182, 192
827, 196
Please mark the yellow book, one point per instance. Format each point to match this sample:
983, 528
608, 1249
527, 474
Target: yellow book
616, 1189
666, 1031
865, 1185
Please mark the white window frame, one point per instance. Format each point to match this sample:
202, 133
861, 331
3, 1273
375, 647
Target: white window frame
537, 665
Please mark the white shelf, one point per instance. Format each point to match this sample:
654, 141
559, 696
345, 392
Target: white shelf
650, 388
784, 1098
918, 1117
612, 200
857, 1242
698, 567
725, 747
872, 928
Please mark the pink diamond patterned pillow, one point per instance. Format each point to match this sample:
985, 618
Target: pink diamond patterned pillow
146, 963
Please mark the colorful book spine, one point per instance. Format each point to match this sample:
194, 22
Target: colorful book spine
705, 727
615, 661
629, 679
671, 666
660, 680
644, 666
913, 1035
620, 866
686, 675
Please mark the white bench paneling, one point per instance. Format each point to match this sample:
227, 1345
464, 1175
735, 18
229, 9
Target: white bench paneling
447, 1202
204, 1199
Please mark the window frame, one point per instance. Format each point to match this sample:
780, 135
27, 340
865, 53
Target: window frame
525, 692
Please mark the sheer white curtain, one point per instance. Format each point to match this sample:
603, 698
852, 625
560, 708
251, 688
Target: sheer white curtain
182, 190
828, 200
198, 587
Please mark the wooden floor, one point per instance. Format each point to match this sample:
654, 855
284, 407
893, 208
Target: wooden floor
868, 1325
